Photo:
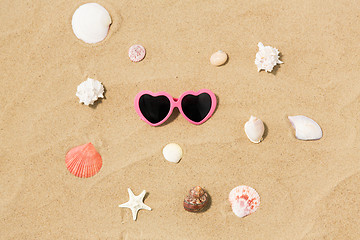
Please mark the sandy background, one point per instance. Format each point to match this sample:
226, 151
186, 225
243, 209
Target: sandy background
309, 190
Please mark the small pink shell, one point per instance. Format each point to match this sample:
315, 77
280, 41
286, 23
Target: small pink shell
244, 200
83, 161
136, 53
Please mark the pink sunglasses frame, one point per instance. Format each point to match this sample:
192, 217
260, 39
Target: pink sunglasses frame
175, 103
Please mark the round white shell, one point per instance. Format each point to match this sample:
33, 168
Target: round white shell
89, 91
172, 152
305, 128
218, 58
254, 129
91, 22
266, 58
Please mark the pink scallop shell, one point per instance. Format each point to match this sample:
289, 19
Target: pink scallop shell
244, 200
136, 53
83, 161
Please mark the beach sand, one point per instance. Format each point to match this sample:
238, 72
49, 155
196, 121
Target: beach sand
309, 189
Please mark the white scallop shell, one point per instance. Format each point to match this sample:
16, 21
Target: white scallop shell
172, 152
91, 22
254, 129
305, 128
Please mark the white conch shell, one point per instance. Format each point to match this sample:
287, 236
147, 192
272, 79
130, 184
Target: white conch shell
254, 129
89, 91
91, 22
306, 128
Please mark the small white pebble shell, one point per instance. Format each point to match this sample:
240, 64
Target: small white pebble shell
91, 22
305, 128
254, 129
218, 58
172, 152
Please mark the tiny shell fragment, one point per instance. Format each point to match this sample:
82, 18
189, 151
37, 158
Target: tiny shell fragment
218, 58
136, 53
172, 152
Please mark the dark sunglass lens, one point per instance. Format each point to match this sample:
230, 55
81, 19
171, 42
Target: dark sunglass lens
196, 108
154, 109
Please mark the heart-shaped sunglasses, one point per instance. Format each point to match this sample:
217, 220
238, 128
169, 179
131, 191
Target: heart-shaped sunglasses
156, 108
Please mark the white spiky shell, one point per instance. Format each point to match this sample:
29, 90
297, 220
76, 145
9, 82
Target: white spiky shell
267, 57
305, 128
91, 22
254, 129
89, 91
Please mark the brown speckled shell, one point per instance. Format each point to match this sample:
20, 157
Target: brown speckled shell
196, 200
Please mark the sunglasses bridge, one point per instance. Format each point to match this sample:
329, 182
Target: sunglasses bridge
176, 103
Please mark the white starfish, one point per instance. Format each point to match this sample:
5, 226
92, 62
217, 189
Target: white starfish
135, 203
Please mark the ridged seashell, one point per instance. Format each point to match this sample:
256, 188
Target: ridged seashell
267, 57
83, 161
91, 22
196, 200
305, 128
89, 91
218, 58
254, 129
244, 200
172, 152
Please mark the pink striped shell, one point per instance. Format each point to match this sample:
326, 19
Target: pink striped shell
83, 161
